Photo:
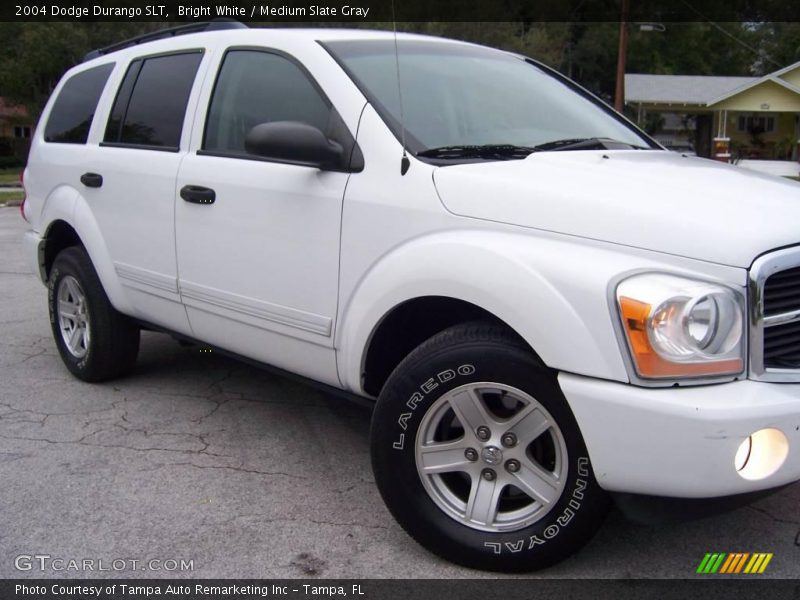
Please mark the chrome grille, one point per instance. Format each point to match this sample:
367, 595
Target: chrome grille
775, 316
782, 292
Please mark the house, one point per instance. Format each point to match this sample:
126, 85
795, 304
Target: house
16, 127
751, 121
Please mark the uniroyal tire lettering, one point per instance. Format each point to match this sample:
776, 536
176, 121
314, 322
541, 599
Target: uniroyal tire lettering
562, 520
551, 531
535, 541
580, 485
417, 397
566, 517
495, 546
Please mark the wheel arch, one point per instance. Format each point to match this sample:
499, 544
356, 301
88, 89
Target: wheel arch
539, 289
409, 324
68, 221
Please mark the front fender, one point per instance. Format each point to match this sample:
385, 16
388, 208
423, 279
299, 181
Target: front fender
551, 290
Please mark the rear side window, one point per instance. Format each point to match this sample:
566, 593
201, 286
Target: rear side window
255, 87
73, 110
151, 101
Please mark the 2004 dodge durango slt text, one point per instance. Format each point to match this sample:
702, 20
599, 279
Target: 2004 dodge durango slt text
548, 308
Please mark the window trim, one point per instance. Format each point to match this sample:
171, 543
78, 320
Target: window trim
141, 60
245, 156
140, 146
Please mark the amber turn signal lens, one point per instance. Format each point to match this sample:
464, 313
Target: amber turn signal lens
635, 315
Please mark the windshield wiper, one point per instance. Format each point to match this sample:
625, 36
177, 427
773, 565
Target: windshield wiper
500, 151
585, 144
510, 151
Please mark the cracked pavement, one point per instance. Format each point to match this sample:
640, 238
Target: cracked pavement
248, 474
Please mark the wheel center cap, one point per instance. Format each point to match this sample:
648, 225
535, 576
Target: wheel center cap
492, 455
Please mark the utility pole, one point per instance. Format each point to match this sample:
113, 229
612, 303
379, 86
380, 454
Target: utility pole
619, 96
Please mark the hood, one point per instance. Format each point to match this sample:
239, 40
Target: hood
656, 200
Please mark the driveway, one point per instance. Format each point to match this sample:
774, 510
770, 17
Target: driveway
198, 458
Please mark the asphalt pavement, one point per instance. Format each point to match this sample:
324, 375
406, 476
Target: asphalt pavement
241, 473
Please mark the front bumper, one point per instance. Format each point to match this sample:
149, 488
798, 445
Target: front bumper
681, 442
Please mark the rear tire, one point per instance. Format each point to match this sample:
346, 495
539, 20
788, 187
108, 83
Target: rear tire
95, 341
522, 499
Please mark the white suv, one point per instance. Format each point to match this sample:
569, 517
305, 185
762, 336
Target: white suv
547, 306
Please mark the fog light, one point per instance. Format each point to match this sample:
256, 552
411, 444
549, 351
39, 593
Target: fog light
761, 454
743, 453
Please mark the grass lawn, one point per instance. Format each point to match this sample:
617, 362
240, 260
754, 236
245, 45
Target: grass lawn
795, 178
10, 197
9, 176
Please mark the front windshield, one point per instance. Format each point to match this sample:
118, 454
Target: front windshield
457, 95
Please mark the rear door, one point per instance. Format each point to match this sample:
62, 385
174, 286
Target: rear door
136, 161
259, 266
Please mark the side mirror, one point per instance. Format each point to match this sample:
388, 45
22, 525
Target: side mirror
296, 142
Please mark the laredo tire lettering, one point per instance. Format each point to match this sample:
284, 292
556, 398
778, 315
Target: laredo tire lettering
427, 386
446, 376
415, 399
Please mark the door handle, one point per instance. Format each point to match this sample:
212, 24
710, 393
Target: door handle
197, 194
93, 180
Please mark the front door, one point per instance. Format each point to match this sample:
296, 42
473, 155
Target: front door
258, 241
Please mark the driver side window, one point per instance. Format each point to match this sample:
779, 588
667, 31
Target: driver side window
255, 87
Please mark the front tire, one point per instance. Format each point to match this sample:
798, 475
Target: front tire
478, 456
95, 341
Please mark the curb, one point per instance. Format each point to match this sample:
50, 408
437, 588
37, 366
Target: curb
11, 203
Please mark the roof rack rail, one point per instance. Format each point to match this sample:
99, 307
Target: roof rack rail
215, 25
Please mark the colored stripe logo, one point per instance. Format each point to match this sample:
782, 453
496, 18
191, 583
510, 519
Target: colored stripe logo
734, 563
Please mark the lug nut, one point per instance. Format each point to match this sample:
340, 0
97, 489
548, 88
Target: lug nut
512, 466
509, 440
483, 433
471, 454
488, 474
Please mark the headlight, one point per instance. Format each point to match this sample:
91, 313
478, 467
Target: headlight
678, 327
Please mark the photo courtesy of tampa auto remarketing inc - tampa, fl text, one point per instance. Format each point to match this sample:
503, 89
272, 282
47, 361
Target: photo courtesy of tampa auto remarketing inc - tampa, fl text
399, 299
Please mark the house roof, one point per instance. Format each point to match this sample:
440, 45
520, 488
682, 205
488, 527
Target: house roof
773, 77
8, 109
702, 90
681, 89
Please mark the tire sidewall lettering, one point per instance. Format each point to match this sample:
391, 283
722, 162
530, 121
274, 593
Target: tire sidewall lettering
559, 523
555, 524
422, 393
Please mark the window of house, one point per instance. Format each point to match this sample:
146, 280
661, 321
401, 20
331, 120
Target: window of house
151, 102
755, 123
255, 87
73, 111
22, 131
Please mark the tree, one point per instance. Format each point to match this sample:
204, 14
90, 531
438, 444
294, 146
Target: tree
34, 56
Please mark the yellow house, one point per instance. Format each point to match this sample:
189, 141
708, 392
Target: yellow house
753, 121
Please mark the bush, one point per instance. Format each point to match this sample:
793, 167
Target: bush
11, 162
